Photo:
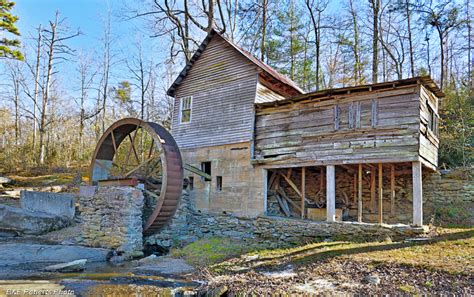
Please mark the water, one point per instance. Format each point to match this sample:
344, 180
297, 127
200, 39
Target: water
96, 280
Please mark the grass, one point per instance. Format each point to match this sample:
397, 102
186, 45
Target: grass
452, 252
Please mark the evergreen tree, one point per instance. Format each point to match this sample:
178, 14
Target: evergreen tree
7, 23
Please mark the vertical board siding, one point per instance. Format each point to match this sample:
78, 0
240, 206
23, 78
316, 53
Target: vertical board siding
429, 142
223, 86
309, 132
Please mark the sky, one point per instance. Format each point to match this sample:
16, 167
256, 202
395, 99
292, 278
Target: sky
88, 16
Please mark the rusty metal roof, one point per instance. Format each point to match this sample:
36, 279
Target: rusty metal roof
426, 81
266, 68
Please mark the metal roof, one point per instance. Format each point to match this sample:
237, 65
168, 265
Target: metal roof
267, 69
426, 81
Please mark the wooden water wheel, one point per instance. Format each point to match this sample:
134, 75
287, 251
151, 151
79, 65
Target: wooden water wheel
134, 152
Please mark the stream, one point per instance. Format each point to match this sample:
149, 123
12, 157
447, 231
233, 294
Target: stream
99, 279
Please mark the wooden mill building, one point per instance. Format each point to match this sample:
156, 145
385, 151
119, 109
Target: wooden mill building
350, 154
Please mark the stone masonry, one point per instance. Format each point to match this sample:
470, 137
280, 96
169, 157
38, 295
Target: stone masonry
440, 191
112, 218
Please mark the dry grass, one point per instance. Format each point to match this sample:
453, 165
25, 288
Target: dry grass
452, 251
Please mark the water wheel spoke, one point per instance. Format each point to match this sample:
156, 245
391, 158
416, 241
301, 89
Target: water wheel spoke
150, 151
132, 139
139, 166
113, 141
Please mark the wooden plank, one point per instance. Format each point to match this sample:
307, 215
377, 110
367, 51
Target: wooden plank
380, 204
303, 190
392, 189
359, 195
283, 207
288, 199
117, 182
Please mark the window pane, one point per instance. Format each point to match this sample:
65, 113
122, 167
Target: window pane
186, 116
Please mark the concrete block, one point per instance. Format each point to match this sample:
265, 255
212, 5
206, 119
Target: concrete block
60, 204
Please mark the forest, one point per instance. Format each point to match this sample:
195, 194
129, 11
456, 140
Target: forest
52, 118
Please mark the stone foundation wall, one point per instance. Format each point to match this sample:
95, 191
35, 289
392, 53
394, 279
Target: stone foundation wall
112, 218
189, 225
449, 197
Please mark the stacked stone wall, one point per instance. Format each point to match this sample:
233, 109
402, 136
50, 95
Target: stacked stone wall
112, 218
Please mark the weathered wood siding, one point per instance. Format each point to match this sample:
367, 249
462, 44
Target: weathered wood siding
429, 142
264, 94
377, 126
243, 185
223, 86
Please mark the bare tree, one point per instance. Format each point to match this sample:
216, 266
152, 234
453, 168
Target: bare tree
375, 6
56, 50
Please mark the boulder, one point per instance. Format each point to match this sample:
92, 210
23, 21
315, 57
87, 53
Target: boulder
26, 253
4, 180
73, 266
60, 204
22, 221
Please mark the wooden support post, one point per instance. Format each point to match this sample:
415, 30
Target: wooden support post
303, 190
372, 189
355, 189
359, 206
417, 194
392, 189
380, 208
330, 193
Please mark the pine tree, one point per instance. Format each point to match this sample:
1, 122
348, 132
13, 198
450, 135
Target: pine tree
7, 23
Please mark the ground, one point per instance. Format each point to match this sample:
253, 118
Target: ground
440, 265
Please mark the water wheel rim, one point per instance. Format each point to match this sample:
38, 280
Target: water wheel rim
170, 157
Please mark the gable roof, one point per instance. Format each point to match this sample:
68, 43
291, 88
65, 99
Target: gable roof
269, 71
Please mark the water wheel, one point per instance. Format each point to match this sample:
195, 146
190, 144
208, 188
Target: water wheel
132, 151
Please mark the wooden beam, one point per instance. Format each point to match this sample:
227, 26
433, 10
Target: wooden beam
417, 194
392, 189
196, 171
359, 206
372, 190
380, 211
330, 193
292, 184
303, 190
355, 189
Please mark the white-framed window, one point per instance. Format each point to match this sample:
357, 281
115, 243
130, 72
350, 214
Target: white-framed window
185, 106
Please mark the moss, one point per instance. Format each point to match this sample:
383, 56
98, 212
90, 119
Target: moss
208, 251
407, 289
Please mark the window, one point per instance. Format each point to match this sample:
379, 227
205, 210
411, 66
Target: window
185, 109
206, 167
218, 183
191, 183
432, 120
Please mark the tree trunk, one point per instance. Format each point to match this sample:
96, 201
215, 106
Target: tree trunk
375, 39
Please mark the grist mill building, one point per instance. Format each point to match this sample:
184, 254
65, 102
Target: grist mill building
269, 148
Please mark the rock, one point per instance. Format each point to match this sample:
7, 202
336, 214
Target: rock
217, 292
4, 180
250, 258
60, 204
74, 266
166, 265
42, 253
372, 279
148, 259
23, 221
